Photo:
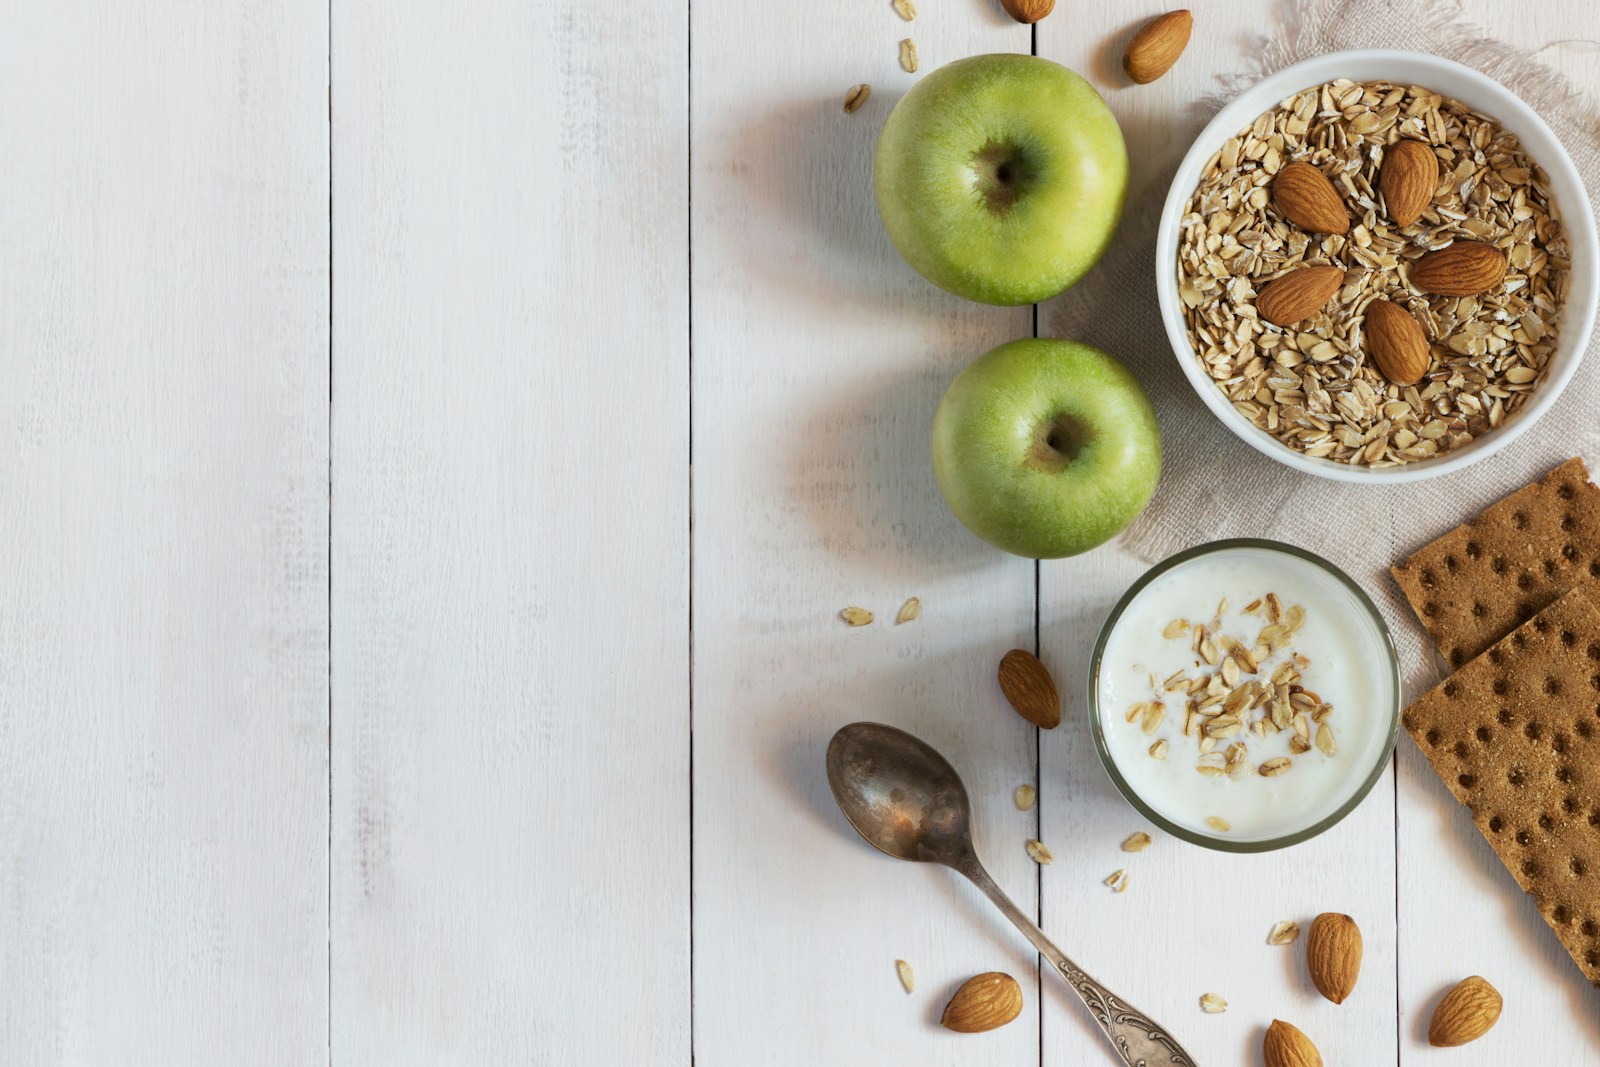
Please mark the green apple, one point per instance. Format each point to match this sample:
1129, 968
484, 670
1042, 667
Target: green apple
1046, 448
1001, 178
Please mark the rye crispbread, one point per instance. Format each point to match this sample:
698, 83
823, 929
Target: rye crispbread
1482, 580
1515, 735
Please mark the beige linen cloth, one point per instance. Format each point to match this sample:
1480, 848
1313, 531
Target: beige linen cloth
1213, 485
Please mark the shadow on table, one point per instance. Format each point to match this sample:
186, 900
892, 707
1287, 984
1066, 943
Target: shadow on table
862, 474
803, 172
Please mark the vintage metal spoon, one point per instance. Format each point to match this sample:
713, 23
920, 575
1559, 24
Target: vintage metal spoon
906, 800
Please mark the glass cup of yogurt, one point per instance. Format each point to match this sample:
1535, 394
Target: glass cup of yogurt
1244, 695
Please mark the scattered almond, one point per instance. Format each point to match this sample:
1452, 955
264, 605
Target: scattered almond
1041, 855
856, 616
1333, 955
1285, 1046
1136, 842
1407, 180
1283, 933
1298, 295
983, 1002
908, 56
1465, 1014
1463, 268
1213, 1003
1024, 797
909, 610
1396, 343
905, 9
1303, 195
907, 977
1157, 46
1030, 689
1028, 11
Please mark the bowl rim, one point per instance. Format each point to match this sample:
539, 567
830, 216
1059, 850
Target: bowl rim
1414, 68
1195, 837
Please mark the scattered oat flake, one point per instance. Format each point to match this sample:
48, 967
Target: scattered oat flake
856, 616
908, 56
905, 9
1218, 823
907, 977
1117, 880
1213, 1004
1274, 767
1325, 739
1024, 797
1175, 628
1136, 842
1158, 750
1122, 883
909, 610
1041, 855
1283, 933
856, 97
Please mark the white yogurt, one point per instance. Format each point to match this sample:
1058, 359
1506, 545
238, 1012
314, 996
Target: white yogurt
1345, 662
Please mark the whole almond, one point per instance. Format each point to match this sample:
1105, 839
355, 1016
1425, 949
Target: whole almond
1157, 46
983, 1002
1333, 955
1286, 1046
1298, 295
1409, 176
1030, 689
1028, 11
1396, 343
1465, 1014
1465, 268
1304, 196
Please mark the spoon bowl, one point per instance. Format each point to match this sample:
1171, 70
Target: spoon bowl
900, 794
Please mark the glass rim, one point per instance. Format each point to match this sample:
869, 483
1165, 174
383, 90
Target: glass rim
1195, 837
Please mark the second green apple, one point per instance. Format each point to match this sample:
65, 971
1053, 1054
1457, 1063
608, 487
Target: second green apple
1046, 448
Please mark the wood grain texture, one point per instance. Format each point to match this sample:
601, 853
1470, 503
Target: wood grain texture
163, 457
819, 359
510, 735
510, 486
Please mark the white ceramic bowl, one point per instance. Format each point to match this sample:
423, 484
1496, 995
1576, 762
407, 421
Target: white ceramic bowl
1477, 91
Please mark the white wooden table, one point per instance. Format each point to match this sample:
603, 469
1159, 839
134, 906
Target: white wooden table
436, 439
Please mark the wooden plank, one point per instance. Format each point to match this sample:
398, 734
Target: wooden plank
1191, 921
1461, 912
163, 453
819, 359
510, 594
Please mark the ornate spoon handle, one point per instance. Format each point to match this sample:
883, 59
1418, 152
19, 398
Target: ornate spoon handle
1138, 1040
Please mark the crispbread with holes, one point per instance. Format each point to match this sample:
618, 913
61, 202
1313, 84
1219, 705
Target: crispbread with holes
1480, 581
1515, 735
